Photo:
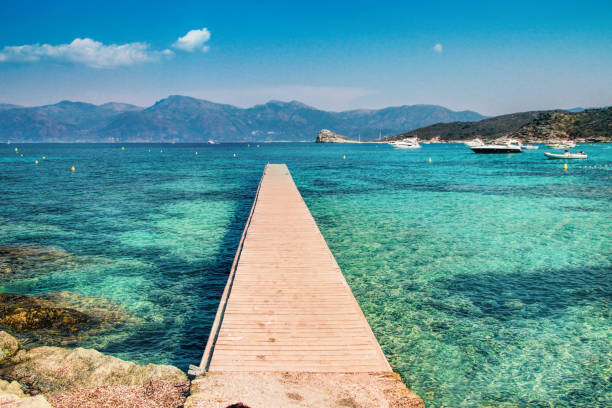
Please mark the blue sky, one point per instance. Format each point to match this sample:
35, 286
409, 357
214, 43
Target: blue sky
492, 57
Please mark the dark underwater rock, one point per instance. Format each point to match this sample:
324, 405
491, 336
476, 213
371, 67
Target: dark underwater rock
23, 261
21, 313
63, 319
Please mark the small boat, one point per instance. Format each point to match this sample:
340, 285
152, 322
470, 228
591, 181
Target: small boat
530, 147
212, 142
475, 143
508, 146
411, 143
567, 155
562, 145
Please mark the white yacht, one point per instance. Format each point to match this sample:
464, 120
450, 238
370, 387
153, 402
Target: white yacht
475, 142
500, 147
410, 143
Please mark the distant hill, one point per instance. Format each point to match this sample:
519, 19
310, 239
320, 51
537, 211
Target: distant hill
185, 119
4, 106
594, 125
589, 124
63, 121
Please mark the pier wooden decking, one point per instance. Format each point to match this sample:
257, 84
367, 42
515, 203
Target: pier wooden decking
286, 305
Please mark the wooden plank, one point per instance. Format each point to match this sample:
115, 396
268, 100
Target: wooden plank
287, 306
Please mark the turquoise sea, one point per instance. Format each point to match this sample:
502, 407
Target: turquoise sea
486, 278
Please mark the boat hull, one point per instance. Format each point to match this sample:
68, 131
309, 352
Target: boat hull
566, 156
406, 147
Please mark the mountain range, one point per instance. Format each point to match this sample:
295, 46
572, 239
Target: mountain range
186, 119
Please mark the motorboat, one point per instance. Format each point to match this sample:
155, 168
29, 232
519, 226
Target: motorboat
500, 147
531, 147
411, 143
566, 155
475, 143
212, 142
568, 144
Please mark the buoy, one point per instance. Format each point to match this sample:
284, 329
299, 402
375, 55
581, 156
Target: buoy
344, 157
234, 154
36, 162
122, 147
16, 150
149, 150
429, 160
565, 166
21, 155
249, 145
196, 153
161, 151
73, 168
44, 157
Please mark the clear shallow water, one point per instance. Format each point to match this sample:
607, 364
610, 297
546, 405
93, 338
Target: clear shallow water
487, 279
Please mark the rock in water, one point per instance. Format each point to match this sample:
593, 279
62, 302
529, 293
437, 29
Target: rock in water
24, 262
8, 346
327, 136
52, 370
11, 396
62, 318
23, 313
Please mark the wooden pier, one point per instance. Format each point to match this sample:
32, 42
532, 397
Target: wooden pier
287, 308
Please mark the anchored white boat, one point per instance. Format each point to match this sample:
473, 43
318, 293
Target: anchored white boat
562, 145
502, 147
212, 142
411, 143
567, 155
531, 147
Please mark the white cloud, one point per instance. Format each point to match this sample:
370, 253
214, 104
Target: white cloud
83, 51
437, 48
193, 40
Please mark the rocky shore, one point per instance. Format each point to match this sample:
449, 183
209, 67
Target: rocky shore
63, 378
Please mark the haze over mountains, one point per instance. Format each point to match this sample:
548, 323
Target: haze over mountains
185, 119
